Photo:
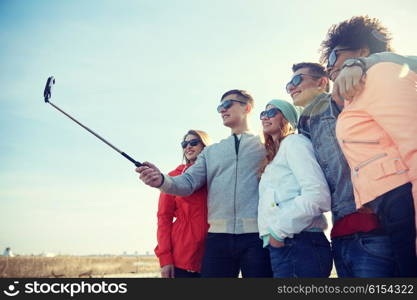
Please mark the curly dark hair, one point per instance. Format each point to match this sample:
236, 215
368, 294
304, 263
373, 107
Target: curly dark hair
356, 33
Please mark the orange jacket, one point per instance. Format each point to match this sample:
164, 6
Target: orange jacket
181, 241
377, 132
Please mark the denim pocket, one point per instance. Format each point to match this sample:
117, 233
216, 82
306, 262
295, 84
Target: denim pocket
276, 247
282, 262
279, 255
378, 245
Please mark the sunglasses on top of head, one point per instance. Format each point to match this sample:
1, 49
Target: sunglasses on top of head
227, 104
296, 80
333, 56
193, 142
270, 113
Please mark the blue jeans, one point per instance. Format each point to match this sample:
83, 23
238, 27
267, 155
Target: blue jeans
227, 254
396, 214
364, 255
307, 254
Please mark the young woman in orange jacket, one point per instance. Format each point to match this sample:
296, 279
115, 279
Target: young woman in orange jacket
182, 221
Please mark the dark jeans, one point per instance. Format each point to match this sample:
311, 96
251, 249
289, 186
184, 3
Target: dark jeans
389, 252
397, 217
227, 254
181, 273
363, 255
307, 254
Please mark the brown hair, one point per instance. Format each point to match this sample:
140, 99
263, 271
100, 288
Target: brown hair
315, 69
272, 148
242, 94
201, 135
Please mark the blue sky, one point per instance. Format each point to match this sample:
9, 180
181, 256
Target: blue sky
140, 73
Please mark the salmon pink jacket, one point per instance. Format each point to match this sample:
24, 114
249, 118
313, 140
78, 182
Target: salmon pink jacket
377, 132
181, 242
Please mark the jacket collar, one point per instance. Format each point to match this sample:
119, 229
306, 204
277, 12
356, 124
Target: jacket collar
247, 132
319, 98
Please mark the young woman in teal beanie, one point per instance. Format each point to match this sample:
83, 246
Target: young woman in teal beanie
293, 194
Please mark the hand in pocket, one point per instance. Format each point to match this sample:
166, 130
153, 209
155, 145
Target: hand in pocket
275, 243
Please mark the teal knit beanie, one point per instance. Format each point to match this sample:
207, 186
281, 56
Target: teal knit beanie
287, 109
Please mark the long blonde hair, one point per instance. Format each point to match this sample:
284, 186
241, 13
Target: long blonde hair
202, 136
271, 147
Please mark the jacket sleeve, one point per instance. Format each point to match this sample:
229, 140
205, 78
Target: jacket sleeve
165, 215
297, 214
376, 58
390, 97
193, 179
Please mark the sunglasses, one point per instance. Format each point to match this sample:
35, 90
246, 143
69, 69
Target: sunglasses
193, 142
270, 113
333, 56
227, 104
296, 80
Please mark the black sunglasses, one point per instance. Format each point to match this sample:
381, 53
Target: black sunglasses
333, 56
193, 142
296, 80
270, 113
227, 104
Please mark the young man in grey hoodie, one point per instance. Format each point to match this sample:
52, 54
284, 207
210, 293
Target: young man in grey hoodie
229, 169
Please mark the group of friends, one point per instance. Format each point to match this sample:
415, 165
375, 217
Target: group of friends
254, 205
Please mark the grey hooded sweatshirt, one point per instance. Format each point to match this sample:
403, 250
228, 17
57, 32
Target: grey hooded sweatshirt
229, 169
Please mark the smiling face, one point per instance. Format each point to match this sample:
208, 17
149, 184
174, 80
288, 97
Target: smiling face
191, 152
273, 126
236, 114
309, 87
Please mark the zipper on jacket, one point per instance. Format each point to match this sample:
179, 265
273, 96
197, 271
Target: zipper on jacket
367, 162
360, 141
237, 144
400, 171
234, 201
